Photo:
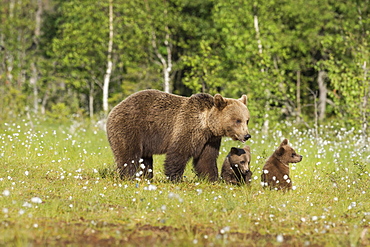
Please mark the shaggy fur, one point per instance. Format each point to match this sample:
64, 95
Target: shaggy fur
275, 173
236, 167
153, 122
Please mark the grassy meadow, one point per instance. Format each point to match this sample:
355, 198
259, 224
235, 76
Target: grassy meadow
58, 187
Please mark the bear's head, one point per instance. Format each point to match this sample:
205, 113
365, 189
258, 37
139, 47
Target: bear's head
240, 159
286, 154
230, 117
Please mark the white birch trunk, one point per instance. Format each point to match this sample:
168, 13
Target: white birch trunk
323, 94
365, 104
33, 82
298, 95
8, 56
168, 67
34, 71
91, 100
166, 64
109, 60
256, 28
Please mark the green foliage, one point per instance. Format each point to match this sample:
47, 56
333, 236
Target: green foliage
13, 103
203, 76
215, 48
60, 111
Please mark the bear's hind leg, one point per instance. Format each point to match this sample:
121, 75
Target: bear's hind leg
128, 169
147, 167
127, 159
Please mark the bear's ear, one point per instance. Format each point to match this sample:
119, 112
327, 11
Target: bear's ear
284, 142
220, 102
234, 151
280, 151
243, 99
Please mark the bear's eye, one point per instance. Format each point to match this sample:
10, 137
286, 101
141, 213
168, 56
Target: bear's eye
238, 121
242, 162
293, 154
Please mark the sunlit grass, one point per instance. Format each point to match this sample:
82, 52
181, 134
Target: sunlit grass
58, 186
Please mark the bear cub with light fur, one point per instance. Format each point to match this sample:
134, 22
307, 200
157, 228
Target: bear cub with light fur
275, 173
152, 122
236, 167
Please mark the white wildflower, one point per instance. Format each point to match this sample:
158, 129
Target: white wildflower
280, 238
36, 200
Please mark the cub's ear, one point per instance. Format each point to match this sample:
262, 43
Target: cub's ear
243, 99
247, 149
284, 142
220, 102
234, 151
280, 151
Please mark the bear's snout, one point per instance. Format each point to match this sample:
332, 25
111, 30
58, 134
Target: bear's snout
246, 137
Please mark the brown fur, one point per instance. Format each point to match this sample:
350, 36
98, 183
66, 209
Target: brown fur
153, 122
275, 173
236, 167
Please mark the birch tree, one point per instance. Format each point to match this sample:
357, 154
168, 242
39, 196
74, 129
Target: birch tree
160, 16
109, 60
34, 66
80, 49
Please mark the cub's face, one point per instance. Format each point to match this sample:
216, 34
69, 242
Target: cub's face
233, 116
287, 154
240, 159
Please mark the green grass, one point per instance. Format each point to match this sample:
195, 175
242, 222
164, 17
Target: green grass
58, 187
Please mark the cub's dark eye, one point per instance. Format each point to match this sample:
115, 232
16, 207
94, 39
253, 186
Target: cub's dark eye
238, 121
293, 154
242, 162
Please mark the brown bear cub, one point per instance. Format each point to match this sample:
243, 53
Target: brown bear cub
152, 122
236, 169
275, 173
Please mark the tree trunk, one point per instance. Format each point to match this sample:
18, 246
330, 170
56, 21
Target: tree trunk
166, 64
91, 100
316, 123
109, 60
33, 82
38, 20
298, 95
365, 105
43, 103
34, 71
8, 56
256, 28
169, 62
323, 93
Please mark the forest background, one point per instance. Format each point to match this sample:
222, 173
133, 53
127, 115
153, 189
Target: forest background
306, 61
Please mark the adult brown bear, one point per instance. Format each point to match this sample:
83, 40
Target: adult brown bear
153, 122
